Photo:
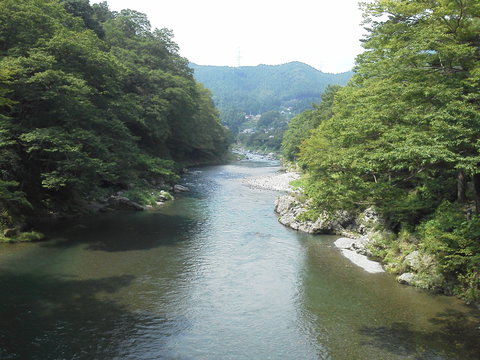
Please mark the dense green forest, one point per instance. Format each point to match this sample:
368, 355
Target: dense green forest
93, 101
278, 91
262, 88
403, 137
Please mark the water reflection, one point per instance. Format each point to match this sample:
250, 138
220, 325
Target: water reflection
48, 317
369, 316
214, 275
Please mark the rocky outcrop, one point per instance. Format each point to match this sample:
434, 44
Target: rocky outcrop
289, 209
422, 271
419, 261
358, 227
359, 245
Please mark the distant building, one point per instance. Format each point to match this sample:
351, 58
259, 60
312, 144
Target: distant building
253, 117
248, 131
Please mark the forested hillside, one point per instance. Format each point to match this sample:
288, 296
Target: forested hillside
403, 137
257, 102
258, 89
92, 101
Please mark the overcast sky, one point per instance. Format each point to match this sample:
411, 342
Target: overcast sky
322, 33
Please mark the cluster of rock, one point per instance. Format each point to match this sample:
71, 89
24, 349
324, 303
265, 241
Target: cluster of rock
252, 155
121, 202
289, 208
276, 182
359, 231
357, 227
421, 271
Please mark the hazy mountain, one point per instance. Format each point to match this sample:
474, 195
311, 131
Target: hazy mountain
258, 89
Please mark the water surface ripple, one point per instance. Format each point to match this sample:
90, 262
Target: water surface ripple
213, 275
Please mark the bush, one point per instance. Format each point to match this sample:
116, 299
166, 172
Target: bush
454, 239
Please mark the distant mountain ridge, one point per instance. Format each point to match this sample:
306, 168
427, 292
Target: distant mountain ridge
262, 88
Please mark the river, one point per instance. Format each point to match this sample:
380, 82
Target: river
213, 275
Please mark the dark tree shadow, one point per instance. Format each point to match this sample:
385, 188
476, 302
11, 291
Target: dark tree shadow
121, 231
457, 336
62, 318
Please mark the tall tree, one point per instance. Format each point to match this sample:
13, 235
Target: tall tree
408, 121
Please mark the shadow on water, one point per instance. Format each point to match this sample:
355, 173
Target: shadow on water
122, 231
61, 318
457, 336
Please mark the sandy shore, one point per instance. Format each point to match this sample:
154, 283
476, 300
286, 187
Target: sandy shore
277, 182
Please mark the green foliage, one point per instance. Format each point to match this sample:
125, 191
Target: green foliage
28, 236
404, 125
277, 92
262, 88
455, 241
402, 136
298, 184
146, 195
93, 99
300, 127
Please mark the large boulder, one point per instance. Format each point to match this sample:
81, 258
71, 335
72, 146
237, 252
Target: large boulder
407, 279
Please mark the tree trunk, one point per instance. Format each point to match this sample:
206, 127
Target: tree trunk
461, 187
476, 187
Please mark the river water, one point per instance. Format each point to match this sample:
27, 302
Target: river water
213, 275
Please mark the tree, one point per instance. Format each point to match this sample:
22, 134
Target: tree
85, 112
406, 124
300, 127
82, 9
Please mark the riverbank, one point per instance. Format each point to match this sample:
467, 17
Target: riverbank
213, 276
366, 237
356, 229
289, 208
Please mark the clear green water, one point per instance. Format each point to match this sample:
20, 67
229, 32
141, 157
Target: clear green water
214, 276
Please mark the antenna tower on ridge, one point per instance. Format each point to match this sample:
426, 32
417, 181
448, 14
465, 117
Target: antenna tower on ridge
239, 58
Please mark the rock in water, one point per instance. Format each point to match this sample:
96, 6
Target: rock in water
407, 279
123, 203
180, 188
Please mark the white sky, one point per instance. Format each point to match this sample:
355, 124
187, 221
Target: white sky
322, 33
